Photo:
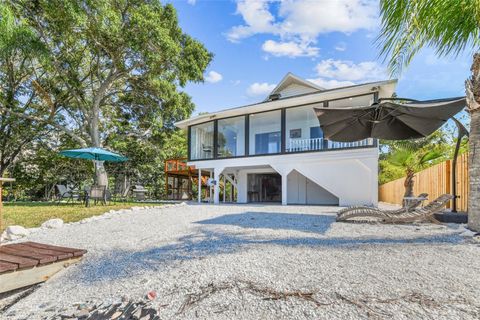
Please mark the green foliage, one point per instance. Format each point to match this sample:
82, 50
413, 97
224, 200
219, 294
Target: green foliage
448, 26
94, 73
399, 157
19, 48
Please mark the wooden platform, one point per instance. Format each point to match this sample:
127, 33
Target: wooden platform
26, 263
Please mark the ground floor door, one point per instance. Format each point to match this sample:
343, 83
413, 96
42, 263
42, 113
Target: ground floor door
264, 187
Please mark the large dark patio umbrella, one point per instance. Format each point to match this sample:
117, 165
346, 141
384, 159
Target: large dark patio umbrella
393, 119
388, 119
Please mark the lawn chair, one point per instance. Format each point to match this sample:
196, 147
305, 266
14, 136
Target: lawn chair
65, 192
403, 215
96, 193
121, 194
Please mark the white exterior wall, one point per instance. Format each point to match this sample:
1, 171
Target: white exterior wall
350, 175
295, 89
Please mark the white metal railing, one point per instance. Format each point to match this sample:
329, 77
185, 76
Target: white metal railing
297, 145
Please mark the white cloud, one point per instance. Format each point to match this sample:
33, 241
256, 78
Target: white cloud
259, 89
289, 49
257, 17
311, 18
192, 2
340, 73
348, 70
213, 77
341, 46
301, 21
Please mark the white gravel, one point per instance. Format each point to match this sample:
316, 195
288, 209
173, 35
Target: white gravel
252, 262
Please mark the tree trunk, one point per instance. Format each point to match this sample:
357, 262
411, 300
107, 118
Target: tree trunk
473, 101
408, 184
101, 177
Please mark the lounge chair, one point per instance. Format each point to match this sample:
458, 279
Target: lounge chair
403, 215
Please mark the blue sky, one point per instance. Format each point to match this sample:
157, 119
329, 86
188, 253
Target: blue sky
331, 43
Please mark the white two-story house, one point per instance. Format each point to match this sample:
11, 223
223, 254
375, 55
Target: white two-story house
275, 151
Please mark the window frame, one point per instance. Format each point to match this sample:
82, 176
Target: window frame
283, 133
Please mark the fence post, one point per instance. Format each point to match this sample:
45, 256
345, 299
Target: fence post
448, 180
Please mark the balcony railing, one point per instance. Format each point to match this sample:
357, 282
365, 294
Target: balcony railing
298, 145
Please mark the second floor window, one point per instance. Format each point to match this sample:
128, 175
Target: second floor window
231, 137
201, 141
265, 133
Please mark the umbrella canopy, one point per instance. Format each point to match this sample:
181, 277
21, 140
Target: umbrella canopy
389, 120
97, 154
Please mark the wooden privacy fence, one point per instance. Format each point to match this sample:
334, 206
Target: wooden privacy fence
435, 181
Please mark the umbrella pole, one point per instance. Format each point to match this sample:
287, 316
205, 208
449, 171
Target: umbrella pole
462, 131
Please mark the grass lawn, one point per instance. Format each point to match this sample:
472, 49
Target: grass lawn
33, 214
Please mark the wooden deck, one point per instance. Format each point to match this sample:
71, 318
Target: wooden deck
26, 263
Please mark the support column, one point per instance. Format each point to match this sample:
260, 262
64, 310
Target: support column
224, 188
216, 188
199, 185
284, 188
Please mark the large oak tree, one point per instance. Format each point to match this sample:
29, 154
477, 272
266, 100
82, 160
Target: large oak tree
111, 63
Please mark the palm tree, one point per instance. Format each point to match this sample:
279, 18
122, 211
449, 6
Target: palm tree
450, 27
411, 161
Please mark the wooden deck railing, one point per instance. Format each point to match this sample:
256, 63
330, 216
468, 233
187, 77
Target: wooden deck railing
435, 181
172, 165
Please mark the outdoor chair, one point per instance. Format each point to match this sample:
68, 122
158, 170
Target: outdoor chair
65, 192
403, 215
97, 194
121, 194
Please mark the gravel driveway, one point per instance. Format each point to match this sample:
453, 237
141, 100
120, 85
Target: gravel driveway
263, 262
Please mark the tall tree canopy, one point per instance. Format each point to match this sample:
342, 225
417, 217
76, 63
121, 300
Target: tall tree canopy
111, 63
450, 27
20, 49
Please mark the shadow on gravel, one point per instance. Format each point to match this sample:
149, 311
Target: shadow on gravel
120, 264
276, 221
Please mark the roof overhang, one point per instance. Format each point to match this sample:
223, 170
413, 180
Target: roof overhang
384, 88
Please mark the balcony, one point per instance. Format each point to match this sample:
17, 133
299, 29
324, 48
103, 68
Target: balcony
317, 144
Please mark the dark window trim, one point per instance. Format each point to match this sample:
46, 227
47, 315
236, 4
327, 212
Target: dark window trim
283, 129
189, 145
325, 104
247, 135
215, 139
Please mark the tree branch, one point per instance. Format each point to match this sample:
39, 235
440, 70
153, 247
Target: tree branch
71, 134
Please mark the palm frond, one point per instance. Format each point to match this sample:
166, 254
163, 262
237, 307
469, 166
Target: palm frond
448, 26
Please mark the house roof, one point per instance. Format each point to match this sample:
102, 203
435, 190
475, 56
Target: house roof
291, 79
384, 88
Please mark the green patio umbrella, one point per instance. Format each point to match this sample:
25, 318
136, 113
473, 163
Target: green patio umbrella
97, 154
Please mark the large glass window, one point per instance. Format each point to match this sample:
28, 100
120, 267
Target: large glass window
303, 130
231, 137
201, 141
265, 133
